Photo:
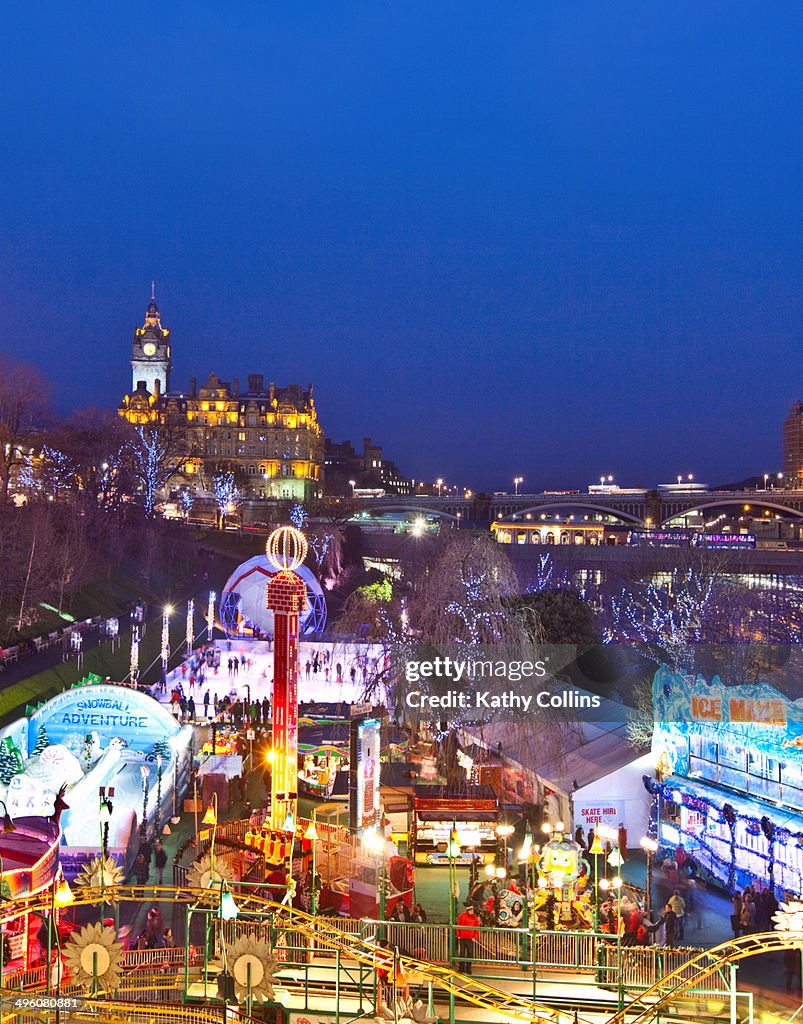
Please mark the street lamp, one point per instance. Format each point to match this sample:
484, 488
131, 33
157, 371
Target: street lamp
353, 484
452, 851
61, 896
439, 483
766, 478
504, 831
210, 818
650, 847
516, 481
104, 817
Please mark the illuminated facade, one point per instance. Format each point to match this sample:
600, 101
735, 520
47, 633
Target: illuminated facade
730, 779
550, 531
267, 436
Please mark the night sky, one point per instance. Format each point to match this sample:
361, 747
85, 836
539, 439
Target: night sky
548, 239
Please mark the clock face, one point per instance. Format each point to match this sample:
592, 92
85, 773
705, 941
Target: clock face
149, 348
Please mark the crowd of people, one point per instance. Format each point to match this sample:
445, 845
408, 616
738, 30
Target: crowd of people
752, 911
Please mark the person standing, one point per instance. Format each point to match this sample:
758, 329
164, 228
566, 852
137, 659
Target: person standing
622, 840
579, 837
670, 923
160, 860
678, 905
467, 933
748, 914
141, 869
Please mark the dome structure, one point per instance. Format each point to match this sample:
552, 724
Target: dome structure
242, 602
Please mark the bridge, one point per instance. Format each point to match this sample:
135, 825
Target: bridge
632, 507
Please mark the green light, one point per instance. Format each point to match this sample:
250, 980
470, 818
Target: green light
62, 615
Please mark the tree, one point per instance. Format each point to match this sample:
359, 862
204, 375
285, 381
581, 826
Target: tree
227, 495
185, 501
41, 741
9, 766
96, 443
23, 400
564, 617
326, 553
156, 454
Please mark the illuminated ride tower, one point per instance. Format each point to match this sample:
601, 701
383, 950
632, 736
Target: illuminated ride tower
286, 598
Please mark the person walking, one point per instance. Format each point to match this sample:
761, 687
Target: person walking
160, 860
467, 933
206, 704
141, 870
191, 708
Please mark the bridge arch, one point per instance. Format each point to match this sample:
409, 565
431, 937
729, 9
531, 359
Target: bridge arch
736, 502
377, 511
581, 506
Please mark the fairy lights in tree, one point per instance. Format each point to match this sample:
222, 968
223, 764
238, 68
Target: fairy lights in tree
190, 636
210, 617
668, 615
227, 495
133, 671
165, 652
298, 515
149, 454
185, 501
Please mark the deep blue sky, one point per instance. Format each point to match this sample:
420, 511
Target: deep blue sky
554, 239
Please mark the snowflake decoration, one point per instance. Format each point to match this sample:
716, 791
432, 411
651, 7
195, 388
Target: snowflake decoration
93, 955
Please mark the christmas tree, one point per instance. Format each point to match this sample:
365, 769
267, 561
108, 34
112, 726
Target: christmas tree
14, 752
9, 767
41, 741
161, 748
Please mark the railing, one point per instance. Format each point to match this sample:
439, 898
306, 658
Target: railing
641, 966
644, 966
131, 960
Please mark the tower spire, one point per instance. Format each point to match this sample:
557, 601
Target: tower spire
153, 291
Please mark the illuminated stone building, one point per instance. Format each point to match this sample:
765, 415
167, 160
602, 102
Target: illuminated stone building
793, 446
268, 436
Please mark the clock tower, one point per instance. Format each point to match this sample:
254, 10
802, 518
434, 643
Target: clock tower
150, 352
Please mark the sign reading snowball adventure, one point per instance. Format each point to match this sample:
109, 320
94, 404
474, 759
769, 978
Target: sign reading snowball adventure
113, 712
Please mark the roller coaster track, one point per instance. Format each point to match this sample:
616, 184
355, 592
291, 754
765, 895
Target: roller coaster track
442, 978
654, 1000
